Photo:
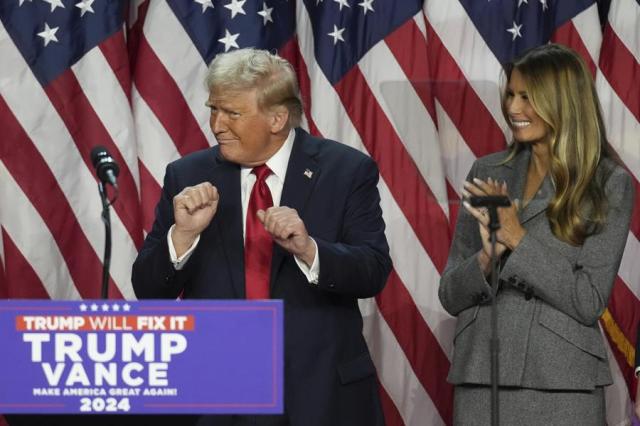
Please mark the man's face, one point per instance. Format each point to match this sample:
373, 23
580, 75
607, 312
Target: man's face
245, 133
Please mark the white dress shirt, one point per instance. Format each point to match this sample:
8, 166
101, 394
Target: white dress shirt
278, 165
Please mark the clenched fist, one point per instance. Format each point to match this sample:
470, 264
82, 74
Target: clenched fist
288, 231
193, 209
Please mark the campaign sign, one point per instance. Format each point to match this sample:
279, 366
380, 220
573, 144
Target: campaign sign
141, 357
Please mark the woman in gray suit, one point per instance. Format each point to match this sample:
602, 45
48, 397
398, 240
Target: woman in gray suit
560, 245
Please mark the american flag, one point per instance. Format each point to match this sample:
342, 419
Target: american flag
413, 83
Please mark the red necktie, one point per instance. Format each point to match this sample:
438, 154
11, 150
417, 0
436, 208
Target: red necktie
258, 244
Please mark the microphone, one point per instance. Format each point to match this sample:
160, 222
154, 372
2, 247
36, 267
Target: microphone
106, 167
489, 201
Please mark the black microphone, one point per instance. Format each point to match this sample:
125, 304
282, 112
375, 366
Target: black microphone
489, 200
106, 167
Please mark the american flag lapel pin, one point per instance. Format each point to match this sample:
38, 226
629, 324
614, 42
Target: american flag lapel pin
308, 173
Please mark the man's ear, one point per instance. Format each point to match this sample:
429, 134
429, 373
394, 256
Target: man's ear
279, 118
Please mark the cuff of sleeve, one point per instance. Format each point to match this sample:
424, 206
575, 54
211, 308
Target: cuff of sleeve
179, 262
311, 273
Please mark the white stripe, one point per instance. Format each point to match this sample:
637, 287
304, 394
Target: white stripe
178, 54
414, 267
51, 138
469, 50
456, 155
623, 130
155, 147
408, 116
412, 262
394, 371
105, 94
587, 25
630, 267
31, 236
617, 400
624, 17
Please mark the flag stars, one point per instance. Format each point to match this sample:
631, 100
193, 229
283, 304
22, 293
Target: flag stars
236, 7
544, 4
366, 6
337, 35
48, 34
521, 2
54, 4
21, 2
85, 6
342, 3
515, 31
229, 40
266, 13
206, 4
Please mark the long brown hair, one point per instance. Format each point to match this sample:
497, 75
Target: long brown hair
562, 93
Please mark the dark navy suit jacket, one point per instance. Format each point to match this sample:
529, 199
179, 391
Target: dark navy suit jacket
329, 375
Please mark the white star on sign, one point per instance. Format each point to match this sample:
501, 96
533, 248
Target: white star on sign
522, 1
205, 4
54, 4
85, 6
229, 40
366, 6
94, 307
48, 34
83, 307
126, 307
266, 13
105, 307
337, 35
342, 3
236, 7
115, 308
515, 30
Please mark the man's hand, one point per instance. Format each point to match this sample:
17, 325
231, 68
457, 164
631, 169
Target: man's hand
193, 210
288, 230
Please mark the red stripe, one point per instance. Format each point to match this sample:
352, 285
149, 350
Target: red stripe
397, 168
621, 70
420, 346
463, 106
32, 174
149, 196
114, 50
454, 207
391, 413
22, 282
413, 61
625, 309
135, 33
87, 131
569, 36
163, 96
291, 52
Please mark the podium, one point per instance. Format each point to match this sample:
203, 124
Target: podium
142, 357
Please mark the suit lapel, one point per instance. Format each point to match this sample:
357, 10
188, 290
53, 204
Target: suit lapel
226, 177
519, 166
302, 174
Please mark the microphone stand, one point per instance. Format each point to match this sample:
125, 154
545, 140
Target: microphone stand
106, 219
494, 226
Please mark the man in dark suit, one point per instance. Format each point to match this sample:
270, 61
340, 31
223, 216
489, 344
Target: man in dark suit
325, 244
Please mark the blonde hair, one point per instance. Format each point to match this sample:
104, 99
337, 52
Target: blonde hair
273, 77
562, 93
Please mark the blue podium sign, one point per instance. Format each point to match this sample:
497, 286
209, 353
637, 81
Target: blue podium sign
215, 357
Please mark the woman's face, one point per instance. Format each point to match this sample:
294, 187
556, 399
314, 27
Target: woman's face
526, 124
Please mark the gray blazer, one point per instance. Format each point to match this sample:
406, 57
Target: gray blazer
551, 293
